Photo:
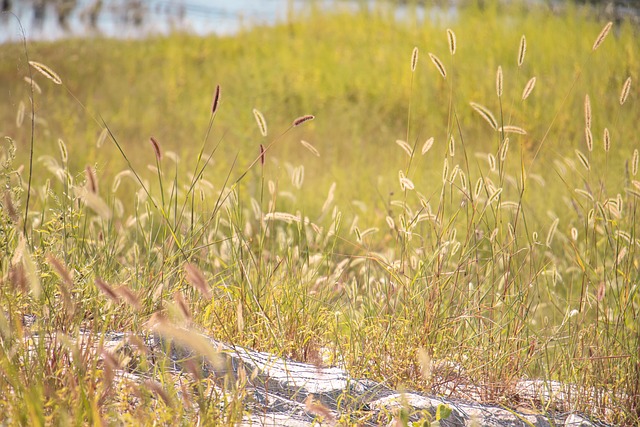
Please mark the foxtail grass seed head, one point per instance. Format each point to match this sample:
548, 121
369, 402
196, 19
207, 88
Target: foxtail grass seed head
485, 114
492, 162
512, 129
528, 88
634, 162
427, 145
439, 65
297, 176
601, 291
302, 119
262, 152
414, 59
111, 364
606, 140
588, 137
390, 222
92, 181
583, 159
310, 147
329, 200
33, 84
405, 183
587, 111
158, 390
603, 34
128, 296
102, 138
452, 146
262, 123
522, 50
61, 269
504, 150
156, 149
495, 195
625, 90
178, 299
552, 232
574, 234
46, 71
20, 115
106, 289
405, 147
451, 37
196, 278
94, 202
318, 409
10, 207
216, 100
633, 192
64, 154
445, 170
478, 188
499, 82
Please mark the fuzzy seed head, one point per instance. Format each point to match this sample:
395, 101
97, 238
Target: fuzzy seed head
625, 90
405, 147
216, 100
156, 149
512, 129
20, 115
583, 160
427, 145
485, 114
92, 181
504, 150
11, 209
35, 86
196, 278
445, 170
262, 123
587, 111
439, 65
552, 231
451, 37
528, 88
588, 136
64, 155
414, 59
492, 162
603, 34
106, 289
302, 119
46, 71
522, 50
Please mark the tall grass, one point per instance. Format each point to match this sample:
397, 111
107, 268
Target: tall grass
493, 236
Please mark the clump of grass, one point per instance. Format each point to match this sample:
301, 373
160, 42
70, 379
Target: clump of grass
470, 255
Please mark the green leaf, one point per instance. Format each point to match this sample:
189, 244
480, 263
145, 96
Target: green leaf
443, 412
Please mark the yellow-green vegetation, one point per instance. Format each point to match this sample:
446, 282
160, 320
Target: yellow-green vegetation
500, 248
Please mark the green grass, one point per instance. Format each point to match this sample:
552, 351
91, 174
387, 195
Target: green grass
461, 275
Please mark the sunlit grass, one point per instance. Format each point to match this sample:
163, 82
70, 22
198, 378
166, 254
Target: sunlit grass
479, 254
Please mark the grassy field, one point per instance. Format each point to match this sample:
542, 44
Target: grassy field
508, 245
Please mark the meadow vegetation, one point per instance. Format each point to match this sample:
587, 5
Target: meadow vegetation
433, 212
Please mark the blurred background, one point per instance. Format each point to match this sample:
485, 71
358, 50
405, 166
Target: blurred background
54, 19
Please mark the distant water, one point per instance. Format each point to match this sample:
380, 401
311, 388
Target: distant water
139, 18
